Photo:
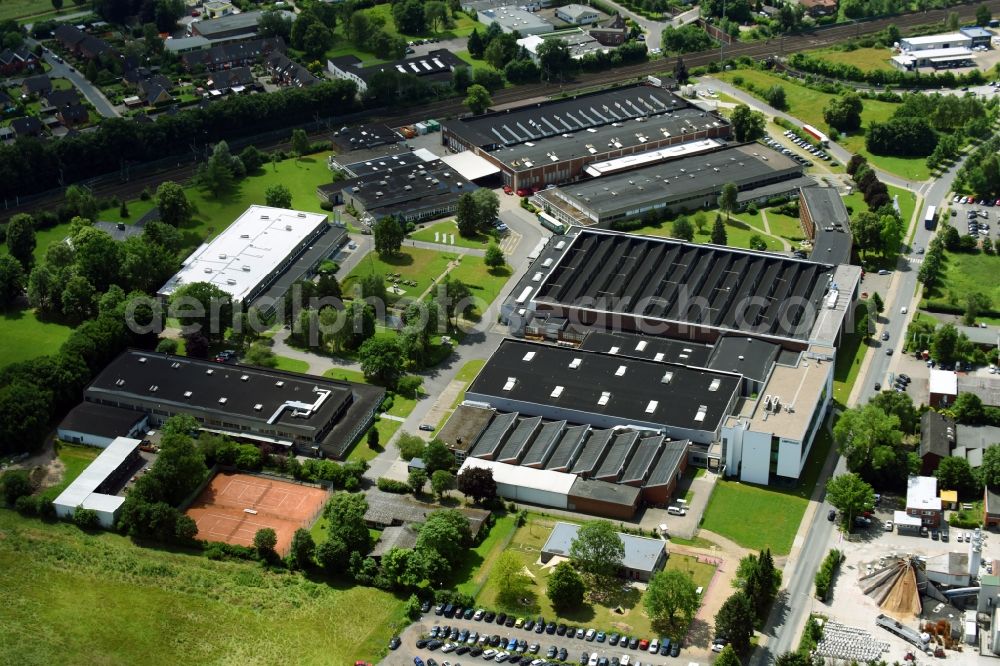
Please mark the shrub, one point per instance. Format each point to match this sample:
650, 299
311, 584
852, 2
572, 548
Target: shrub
393, 486
86, 519
827, 570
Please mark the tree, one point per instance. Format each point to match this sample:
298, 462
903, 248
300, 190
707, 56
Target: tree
217, 175
317, 40
264, 541
345, 513
681, 73
983, 15
508, 574
565, 588
494, 257
955, 473
899, 405
477, 483
278, 196
261, 355
303, 548
944, 343
442, 481
475, 45
14, 484
417, 478
748, 125
727, 657
989, 471
597, 550
98, 257
78, 300
555, 60
381, 359
862, 430
728, 199
408, 15
388, 235
852, 495
968, 409
436, 15
775, 96
877, 302
203, 307
669, 593
457, 297
371, 439
274, 24
477, 98
735, 621
445, 532
173, 204
756, 242
57, 5
843, 113
467, 216
437, 456
682, 229
11, 281
975, 303
21, 239
719, 232
300, 142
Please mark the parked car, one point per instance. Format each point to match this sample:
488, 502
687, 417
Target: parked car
832, 515
888, 526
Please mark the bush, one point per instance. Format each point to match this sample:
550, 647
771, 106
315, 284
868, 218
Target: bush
15, 484
827, 570
27, 505
393, 486
86, 519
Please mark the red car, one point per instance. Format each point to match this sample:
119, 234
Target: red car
507, 189
195, 13
644, 644
524, 192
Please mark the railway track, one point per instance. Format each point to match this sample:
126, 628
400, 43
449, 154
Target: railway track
779, 46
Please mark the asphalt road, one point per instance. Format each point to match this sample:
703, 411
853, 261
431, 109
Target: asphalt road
90, 91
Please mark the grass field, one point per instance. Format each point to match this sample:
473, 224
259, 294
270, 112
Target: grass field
15, 9
25, 337
480, 242
738, 231
412, 263
485, 283
471, 573
754, 517
464, 24
527, 544
75, 459
785, 226
346, 374
159, 607
865, 59
967, 273
849, 356
292, 364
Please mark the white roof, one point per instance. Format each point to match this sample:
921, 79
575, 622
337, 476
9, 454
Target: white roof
651, 156
524, 477
81, 491
921, 493
940, 53
575, 10
944, 382
903, 518
470, 165
425, 155
935, 39
247, 252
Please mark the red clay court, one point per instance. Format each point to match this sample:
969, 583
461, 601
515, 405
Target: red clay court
221, 509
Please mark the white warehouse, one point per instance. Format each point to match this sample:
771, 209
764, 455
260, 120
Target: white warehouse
950, 40
95, 488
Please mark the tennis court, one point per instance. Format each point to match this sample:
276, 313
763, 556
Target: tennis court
232, 507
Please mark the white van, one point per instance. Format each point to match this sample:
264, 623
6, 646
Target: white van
674, 511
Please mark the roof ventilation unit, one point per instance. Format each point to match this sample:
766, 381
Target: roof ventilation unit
154, 388
667, 377
651, 407
767, 403
142, 359
714, 386
188, 394
246, 269
556, 392
265, 217
603, 400
575, 363
245, 378
510, 383
223, 401
620, 372
702, 411
527, 357
288, 227
279, 383
210, 371
613, 350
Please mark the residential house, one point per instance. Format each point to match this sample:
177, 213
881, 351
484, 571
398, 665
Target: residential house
70, 37
217, 8
92, 48
612, 32
286, 72
80, 43
937, 437
136, 75
394, 536
6, 103
156, 90
6, 134
819, 7
15, 61
922, 501
237, 54
973, 440
59, 98
27, 126
228, 79
991, 507
73, 115
37, 85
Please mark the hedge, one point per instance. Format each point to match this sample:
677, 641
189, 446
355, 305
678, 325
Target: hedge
827, 570
393, 486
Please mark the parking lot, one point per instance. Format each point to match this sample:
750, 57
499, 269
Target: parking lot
574, 647
782, 146
962, 212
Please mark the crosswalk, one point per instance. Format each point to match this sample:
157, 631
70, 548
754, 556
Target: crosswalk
914, 260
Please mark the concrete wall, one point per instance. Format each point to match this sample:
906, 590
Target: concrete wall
532, 496
599, 508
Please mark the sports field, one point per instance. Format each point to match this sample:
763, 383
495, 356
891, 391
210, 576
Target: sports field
232, 507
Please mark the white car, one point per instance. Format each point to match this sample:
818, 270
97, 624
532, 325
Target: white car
902, 310
888, 526
673, 511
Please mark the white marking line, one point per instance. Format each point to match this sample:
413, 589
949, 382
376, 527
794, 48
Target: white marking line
276, 502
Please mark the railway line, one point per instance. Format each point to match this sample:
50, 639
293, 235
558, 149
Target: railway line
805, 41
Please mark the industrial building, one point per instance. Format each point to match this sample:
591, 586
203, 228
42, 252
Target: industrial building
686, 183
643, 556
97, 488
948, 40
256, 250
553, 142
512, 18
578, 42
300, 413
578, 14
434, 67
937, 58
981, 37
97, 425
231, 27
826, 222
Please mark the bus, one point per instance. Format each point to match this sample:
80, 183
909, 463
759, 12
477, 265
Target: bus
930, 219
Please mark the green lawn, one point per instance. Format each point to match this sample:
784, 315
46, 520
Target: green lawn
967, 273
485, 283
159, 607
753, 516
475, 566
14, 9
464, 24
480, 242
136, 209
849, 356
696, 542
292, 364
75, 459
527, 543
865, 59
25, 337
418, 265
346, 374
785, 226
738, 231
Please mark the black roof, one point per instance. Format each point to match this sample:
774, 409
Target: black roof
426, 184
648, 347
74, 113
937, 434
569, 447
465, 426
668, 464
637, 391
27, 125
595, 446
604, 491
228, 78
365, 136
705, 286
37, 84
100, 420
490, 441
642, 460
62, 97
436, 65
517, 441
204, 387
379, 164
544, 445
833, 241
217, 56
750, 357
617, 456
532, 122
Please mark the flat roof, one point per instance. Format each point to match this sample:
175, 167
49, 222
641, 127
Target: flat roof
464, 426
934, 39
641, 553
826, 207
381, 163
933, 54
987, 388
259, 395
921, 493
668, 464
470, 166
746, 166
523, 477
531, 122
82, 491
247, 253
989, 336
436, 64
751, 357
578, 41
100, 420
975, 31
648, 347
387, 191
606, 492
210, 27
830, 316
627, 389
648, 157
944, 382
903, 518
514, 18
701, 285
